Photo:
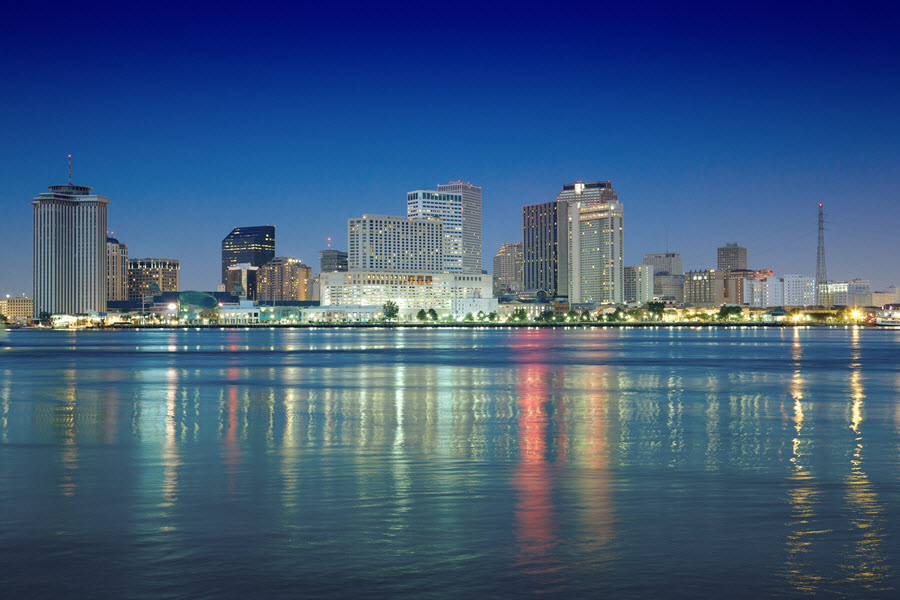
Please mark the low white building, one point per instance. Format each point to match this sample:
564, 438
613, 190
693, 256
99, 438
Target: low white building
460, 307
411, 292
763, 293
338, 314
799, 290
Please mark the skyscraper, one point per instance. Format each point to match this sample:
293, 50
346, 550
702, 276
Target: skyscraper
508, 264
596, 242
282, 278
669, 263
144, 272
471, 223
70, 268
117, 270
253, 245
546, 248
394, 243
731, 257
638, 284
668, 275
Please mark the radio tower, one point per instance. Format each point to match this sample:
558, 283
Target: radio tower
821, 275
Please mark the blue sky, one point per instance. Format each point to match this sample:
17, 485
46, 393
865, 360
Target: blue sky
715, 123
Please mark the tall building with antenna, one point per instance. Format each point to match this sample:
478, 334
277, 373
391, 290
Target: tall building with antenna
70, 251
821, 274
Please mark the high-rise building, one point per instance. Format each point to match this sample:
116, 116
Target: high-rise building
638, 284
282, 278
69, 269
734, 283
764, 293
332, 261
731, 257
546, 248
144, 272
508, 269
704, 288
392, 243
117, 270
596, 242
799, 290
241, 280
669, 263
471, 223
446, 207
251, 245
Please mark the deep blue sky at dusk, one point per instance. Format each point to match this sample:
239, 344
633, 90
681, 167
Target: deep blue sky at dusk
718, 123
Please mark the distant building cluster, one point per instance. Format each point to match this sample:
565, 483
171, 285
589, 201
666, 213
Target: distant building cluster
425, 262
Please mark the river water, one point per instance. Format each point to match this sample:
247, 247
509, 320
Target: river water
627, 463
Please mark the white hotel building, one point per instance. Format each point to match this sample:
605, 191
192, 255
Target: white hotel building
458, 206
70, 251
395, 244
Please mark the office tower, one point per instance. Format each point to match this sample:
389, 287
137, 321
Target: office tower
764, 293
734, 283
704, 288
799, 290
669, 263
508, 269
144, 272
251, 245
471, 223
731, 257
446, 207
241, 281
596, 242
395, 244
332, 261
18, 308
282, 278
69, 269
639, 284
117, 270
546, 248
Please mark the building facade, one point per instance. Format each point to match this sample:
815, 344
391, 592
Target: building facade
410, 291
282, 278
18, 308
639, 284
250, 245
704, 288
117, 270
734, 283
668, 263
545, 261
69, 251
145, 272
446, 208
332, 261
596, 243
471, 223
393, 243
799, 290
508, 267
731, 257
241, 281
764, 293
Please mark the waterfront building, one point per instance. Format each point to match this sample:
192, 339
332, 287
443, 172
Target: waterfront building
69, 251
410, 291
145, 272
668, 288
471, 223
704, 288
734, 283
764, 293
117, 270
17, 307
445, 208
639, 284
546, 248
730, 257
282, 278
241, 281
251, 245
668, 263
508, 263
331, 261
596, 243
395, 244
846, 293
799, 290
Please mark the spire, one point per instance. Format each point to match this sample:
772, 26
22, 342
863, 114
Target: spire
70, 169
821, 275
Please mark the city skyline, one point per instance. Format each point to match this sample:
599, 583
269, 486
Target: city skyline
730, 127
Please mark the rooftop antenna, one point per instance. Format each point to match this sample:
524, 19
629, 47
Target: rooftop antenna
821, 275
70, 169
329, 242
667, 241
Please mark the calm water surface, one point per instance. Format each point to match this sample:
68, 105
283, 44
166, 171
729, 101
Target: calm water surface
450, 463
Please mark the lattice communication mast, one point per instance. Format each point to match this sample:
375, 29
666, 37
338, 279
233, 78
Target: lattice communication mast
821, 274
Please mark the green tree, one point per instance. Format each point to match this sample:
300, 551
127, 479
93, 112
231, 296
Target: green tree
618, 315
586, 315
546, 316
422, 315
492, 316
729, 313
518, 315
656, 309
481, 315
390, 310
432, 314
572, 315
468, 318
44, 316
